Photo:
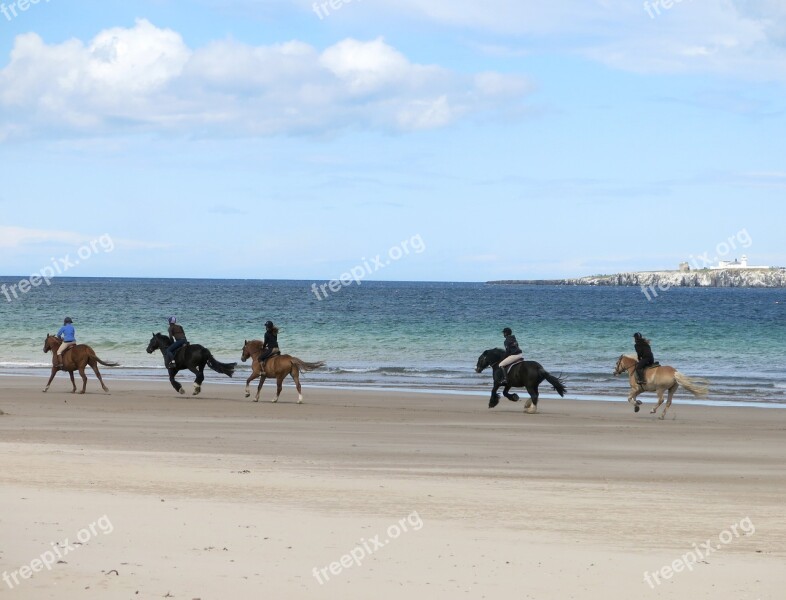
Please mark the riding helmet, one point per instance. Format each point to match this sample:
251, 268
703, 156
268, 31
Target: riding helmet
172, 320
268, 323
507, 331
67, 320
637, 335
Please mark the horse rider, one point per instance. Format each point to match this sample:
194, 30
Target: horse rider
269, 344
645, 357
512, 354
68, 335
177, 339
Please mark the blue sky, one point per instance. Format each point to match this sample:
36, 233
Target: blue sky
517, 139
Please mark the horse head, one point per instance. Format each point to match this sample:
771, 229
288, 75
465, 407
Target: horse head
488, 358
155, 343
49, 343
250, 347
623, 364
244, 356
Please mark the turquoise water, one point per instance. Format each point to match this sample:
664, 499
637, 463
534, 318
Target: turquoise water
415, 334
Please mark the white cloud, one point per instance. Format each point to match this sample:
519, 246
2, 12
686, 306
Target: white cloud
12, 237
145, 79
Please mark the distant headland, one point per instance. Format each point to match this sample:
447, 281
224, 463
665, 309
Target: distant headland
726, 274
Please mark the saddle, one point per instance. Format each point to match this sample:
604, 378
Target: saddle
513, 364
652, 366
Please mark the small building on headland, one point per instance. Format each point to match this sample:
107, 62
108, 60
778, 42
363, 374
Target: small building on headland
685, 267
736, 264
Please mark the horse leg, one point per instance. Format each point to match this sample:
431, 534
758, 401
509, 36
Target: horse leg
672, 389
200, 377
635, 390
660, 401
73, 383
494, 400
262, 378
51, 377
279, 386
253, 376
296, 376
175, 383
83, 375
532, 406
94, 365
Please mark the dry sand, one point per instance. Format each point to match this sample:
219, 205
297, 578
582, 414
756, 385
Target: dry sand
215, 497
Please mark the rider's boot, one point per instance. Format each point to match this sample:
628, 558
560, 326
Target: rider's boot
500, 376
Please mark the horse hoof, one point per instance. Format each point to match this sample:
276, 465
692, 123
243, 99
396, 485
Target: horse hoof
248, 394
528, 403
274, 401
256, 400
300, 402
662, 417
636, 408
181, 391
532, 410
653, 411
514, 397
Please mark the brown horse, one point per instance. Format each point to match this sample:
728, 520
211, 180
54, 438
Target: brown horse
75, 358
278, 366
659, 379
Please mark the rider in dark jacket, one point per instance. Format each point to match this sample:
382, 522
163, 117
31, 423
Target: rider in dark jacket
270, 343
645, 356
512, 354
177, 339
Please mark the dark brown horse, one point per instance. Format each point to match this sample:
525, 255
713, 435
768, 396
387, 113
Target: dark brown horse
278, 366
75, 358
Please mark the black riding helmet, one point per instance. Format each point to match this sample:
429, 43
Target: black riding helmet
67, 320
507, 331
637, 335
268, 324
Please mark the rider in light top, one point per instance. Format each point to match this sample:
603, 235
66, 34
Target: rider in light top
645, 356
68, 335
512, 354
177, 339
270, 343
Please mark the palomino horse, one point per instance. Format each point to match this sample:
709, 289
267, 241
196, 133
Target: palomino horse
192, 357
278, 366
75, 358
527, 374
659, 379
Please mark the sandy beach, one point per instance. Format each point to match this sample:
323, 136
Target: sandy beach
142, 493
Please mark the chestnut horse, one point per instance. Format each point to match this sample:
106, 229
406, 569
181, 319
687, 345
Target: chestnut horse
659, 379
278, 366
75, 358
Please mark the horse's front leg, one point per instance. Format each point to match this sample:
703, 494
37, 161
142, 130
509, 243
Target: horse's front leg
51, 377
494, 400
73, 383
509, 396
83, 375
259, 387
175, 384
254, 375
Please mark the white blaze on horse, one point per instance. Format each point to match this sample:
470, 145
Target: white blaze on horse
659, 379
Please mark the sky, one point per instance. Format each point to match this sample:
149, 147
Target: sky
427, 140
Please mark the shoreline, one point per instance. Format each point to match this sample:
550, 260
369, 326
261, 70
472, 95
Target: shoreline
548, 394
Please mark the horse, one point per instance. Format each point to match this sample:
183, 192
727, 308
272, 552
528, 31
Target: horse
192, 357
527, 374
659, 379
75, 358
278, 366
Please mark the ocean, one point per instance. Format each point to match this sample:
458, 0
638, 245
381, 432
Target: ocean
415, 335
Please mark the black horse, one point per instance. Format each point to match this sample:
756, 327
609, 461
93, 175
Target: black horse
527, 374
192, 357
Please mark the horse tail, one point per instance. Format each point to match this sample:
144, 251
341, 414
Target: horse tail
106, 364
306, 366
700, 389
556, 382
219, 367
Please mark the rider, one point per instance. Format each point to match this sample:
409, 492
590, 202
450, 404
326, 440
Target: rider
512, 354
177, 339
68, 335
645, 356
270, 343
